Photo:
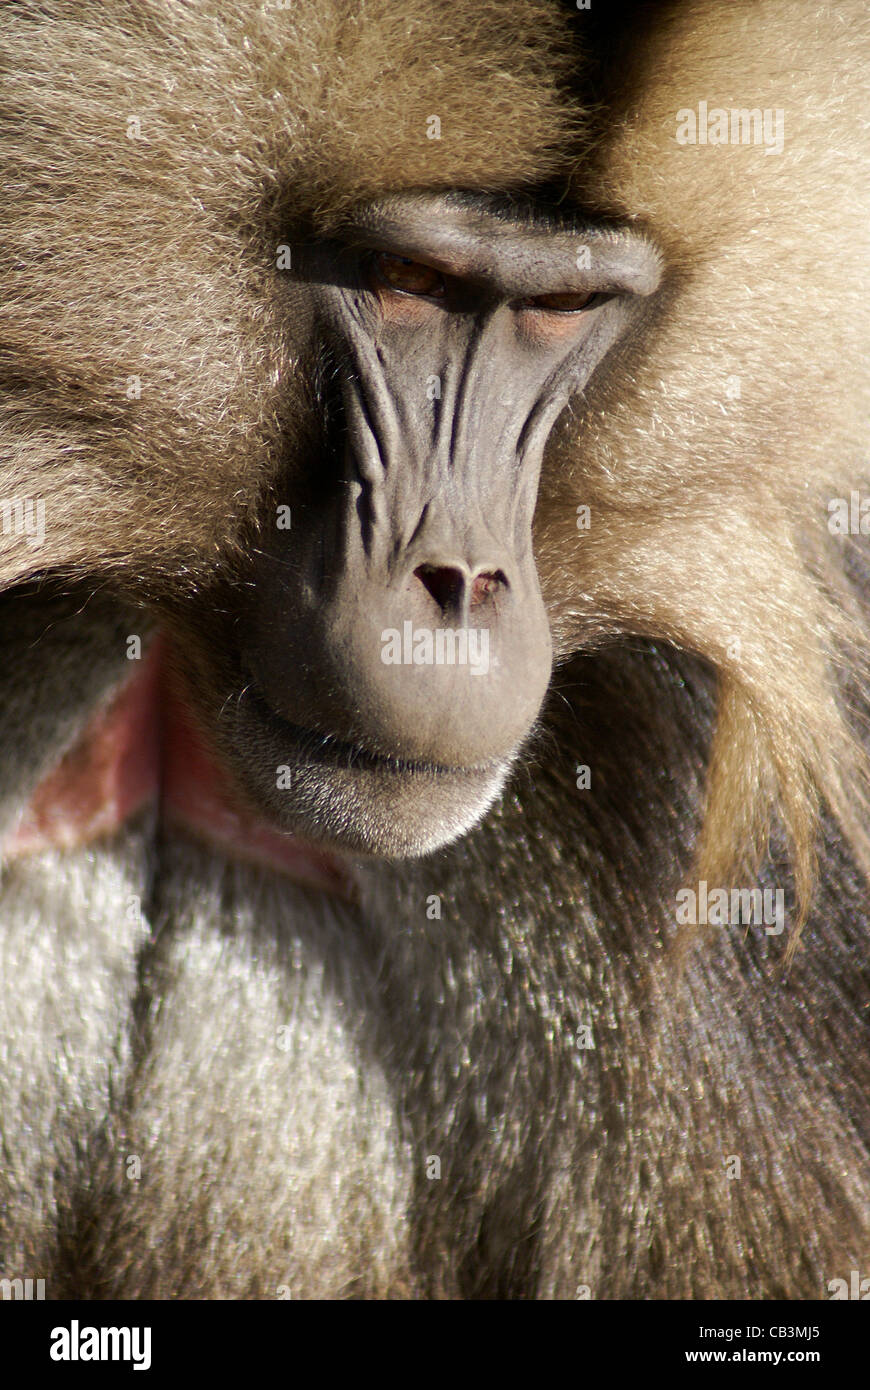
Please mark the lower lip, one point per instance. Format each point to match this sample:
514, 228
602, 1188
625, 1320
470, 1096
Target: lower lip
144, 749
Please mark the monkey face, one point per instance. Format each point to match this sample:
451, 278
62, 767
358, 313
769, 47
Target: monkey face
395, 648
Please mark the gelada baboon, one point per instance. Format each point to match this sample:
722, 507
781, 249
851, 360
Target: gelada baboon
432, 664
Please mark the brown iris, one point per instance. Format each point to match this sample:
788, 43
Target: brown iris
408, 277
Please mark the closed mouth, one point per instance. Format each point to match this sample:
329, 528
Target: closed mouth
329, 750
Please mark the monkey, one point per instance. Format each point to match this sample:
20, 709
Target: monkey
420, 433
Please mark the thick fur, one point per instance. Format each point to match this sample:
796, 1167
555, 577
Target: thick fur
255, 123
284, 1069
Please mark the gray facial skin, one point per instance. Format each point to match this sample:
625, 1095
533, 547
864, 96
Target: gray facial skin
400, 630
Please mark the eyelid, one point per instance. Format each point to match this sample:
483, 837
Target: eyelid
533, 302
376, 267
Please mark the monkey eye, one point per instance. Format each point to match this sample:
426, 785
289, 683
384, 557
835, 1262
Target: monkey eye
409, 277
566, 303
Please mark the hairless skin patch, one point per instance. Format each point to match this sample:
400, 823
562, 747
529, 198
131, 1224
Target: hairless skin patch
143, 749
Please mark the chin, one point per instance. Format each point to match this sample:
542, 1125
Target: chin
347, 797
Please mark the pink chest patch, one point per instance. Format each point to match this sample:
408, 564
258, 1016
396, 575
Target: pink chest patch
143, 749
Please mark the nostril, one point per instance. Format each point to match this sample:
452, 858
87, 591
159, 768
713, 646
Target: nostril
485, 586
444, 583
